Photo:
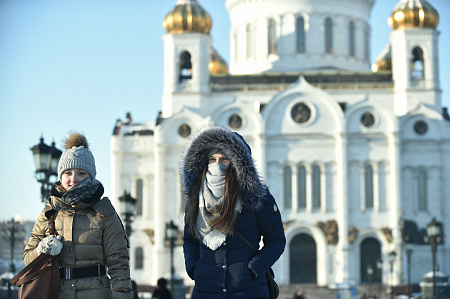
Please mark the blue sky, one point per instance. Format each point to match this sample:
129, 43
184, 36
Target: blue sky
82, 64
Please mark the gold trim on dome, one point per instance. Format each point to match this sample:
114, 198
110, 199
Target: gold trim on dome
217, 65
383, 61
187, 17
413, 14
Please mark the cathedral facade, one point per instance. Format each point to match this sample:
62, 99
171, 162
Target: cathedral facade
356, 155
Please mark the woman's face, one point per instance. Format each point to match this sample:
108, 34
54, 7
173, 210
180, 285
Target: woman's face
72, 176
219, 158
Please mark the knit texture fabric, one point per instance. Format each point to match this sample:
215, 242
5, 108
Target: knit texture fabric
77, 157
211, 199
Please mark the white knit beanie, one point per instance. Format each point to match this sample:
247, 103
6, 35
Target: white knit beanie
77, 155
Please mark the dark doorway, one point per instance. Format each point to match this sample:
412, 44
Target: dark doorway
371, 263
303, 259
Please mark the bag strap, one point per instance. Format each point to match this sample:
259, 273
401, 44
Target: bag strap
51, 225
251, 247
245, 241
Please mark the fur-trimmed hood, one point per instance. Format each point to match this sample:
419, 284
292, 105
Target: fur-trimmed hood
233, 146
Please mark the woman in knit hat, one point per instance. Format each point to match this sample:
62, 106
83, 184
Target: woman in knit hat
91, 238
224, 197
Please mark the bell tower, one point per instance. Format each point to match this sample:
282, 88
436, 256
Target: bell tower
414, 46
187, 52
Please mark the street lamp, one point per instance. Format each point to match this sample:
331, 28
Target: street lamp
379, 268
409, 249
171, 236
369, 274
127, 205
434, 235
392, 257
46, 159
11, 232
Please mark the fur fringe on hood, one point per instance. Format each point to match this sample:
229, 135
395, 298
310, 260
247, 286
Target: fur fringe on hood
233, 146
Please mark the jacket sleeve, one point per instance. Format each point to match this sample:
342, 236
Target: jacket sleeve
191, 250
269, 222
40, 231
117, 257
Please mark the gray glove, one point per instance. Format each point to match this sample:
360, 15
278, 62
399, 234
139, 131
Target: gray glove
50, 245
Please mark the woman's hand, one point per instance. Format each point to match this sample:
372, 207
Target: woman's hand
50, 245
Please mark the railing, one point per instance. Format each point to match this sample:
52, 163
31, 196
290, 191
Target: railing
279, 82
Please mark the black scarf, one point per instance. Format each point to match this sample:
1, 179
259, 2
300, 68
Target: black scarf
88, 191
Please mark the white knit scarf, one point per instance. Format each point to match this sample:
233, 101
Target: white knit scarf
211, 198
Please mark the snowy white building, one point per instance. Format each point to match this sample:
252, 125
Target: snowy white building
358, 159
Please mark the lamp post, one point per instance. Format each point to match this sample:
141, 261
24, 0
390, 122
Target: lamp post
127, 205
392, 257
11, 232
171, 236
379, 268
434, 237
46, 159
409, 249
369, 274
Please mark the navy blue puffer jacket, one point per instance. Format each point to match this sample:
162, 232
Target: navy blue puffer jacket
233, 270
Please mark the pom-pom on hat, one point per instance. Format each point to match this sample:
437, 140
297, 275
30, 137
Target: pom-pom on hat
77, 155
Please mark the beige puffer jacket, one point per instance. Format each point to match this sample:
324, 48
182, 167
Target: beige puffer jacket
91, 235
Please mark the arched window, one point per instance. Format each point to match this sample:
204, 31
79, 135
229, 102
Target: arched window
301, 38
139, 258
139, 192
422, 190
371, 263
368, 186
287, 187
185, 67
316, 187
272, 37
301, 187
417, 64
249, 37
366, 44
328, 35
351, 39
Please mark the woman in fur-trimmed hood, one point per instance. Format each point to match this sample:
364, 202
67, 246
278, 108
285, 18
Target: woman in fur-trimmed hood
224, 196
90, 236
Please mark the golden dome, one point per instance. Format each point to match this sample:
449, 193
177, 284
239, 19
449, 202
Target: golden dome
413, 14
383, 61
217, 65
187, 16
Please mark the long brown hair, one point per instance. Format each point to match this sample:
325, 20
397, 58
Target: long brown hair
225, 221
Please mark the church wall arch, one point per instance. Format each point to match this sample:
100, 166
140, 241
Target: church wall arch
376, 234
432, 127
358, 119
251, 122
168, 132
322, 258
325, 114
